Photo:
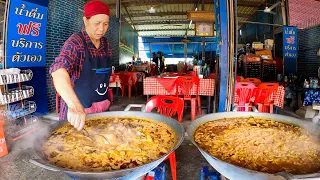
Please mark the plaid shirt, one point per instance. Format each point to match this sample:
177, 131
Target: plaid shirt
72, 56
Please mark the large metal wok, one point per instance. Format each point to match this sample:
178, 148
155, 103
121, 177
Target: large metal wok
124, 174
233, 172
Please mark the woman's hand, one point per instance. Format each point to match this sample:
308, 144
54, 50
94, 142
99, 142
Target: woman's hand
76, 115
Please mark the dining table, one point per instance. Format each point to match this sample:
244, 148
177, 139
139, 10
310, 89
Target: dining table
165, 85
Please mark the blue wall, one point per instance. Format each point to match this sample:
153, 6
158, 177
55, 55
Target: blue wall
308, 45
61, 25
256, 32
130, 37
193, 49
64, 19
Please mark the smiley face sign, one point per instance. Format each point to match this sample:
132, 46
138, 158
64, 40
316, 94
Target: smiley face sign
102, 89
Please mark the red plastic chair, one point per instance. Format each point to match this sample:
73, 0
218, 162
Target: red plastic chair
212, 76
244, 91
263, 97
185, 68
57, 102
58, 97
191, 73
168, 106
154, 70
256, 81
126, 81
184, 87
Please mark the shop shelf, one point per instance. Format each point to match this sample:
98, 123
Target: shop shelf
24, 75
20, 127
18, 110
16, 94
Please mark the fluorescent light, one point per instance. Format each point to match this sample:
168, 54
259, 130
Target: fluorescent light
161, 37
190, 24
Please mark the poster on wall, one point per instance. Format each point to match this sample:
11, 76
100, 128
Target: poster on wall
26, 35
204, 29
290, 42
290, 49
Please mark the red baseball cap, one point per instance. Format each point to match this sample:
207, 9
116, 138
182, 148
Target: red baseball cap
95, 7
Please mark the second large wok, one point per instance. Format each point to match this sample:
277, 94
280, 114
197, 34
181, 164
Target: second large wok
234, 172
124, 174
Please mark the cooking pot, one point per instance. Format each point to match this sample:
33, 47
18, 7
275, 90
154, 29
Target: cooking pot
123, 174
234, 172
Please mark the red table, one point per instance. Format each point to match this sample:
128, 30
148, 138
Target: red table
165, 86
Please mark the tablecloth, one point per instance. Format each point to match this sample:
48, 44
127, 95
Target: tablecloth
311, 96
277, 97
151, 86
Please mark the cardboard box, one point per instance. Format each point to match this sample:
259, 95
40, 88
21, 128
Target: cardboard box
257, 45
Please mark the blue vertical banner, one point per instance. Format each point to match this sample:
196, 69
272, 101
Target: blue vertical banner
217, 23
26, 35
290, 49
26, 45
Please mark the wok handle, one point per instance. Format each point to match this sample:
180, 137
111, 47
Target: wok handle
289, 176
40, 163
235, 108
142, 106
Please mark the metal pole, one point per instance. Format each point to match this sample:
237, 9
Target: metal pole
211, 58
185, 52
203, 41
150, 49
235, 50
284, 13
118, 6
173, 52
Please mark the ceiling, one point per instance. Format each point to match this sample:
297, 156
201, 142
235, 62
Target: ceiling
170, 16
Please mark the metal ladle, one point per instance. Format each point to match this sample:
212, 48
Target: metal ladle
92, 139
85, 132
